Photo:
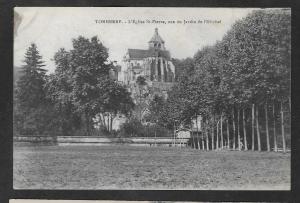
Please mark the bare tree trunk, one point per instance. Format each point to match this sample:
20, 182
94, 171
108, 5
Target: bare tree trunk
197, 132
282, 128
111, 122
202, 133
252, 125
233, 123
245, 133
107, 123
222, 141
290, 104
274, 129
100, 120
174, 128
228, 138
258, 131
267, 127
217, 141
87, 120
103, 120
193, 139
212, 136
154, 137
238, 129
207, 141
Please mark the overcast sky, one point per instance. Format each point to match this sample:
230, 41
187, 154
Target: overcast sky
54, 28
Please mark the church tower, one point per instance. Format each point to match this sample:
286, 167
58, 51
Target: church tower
154, 64
156, 42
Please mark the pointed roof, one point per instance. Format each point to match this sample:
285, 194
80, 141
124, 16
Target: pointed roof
156, 37
141, 53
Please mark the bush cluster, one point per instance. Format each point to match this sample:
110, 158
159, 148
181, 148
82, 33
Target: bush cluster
134, 128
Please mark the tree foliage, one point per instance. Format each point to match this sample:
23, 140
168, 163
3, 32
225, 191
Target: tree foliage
155, 107
30, 90
250, 65
183, 67
32, 111
81, 84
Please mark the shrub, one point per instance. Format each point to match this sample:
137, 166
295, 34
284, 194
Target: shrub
134, 128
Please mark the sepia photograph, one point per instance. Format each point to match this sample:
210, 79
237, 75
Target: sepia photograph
151, 98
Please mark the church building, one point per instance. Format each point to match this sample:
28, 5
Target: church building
155, 66
154, 63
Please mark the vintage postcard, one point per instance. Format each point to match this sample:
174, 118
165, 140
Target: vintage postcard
152, 98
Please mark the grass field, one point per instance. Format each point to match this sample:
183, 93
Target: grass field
128, 167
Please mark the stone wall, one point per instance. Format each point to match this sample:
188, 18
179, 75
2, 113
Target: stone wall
100, 140
35, 138
137, 140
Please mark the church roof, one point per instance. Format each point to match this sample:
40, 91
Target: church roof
138, 53
141, 53
156, 37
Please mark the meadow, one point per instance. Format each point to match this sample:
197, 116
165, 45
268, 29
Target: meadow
133, 167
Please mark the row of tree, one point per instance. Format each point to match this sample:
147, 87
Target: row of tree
70, 99
240, 86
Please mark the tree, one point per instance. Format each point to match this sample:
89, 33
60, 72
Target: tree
183, 67
141, 96
81, 83
257, 59
32, 111
59, 91
132, 128
177, 110
247, 69
114, 100
30, 90
155, 108
89, 66
141, 81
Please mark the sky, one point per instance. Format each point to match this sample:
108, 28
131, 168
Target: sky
53, 28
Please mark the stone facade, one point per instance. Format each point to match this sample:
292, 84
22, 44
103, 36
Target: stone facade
154, 64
